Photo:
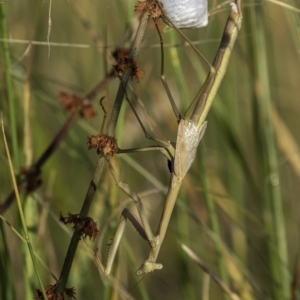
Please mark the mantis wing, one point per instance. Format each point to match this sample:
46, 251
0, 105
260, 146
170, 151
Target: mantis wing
188, 139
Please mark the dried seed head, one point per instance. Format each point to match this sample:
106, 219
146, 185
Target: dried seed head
151, 7
124, 62
72, 103
71, 218
52, 294
107, 145
87, 111
120, 53
141, 6
86, 225
70, 292
136, 71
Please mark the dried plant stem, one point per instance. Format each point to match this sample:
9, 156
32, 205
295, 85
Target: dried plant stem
100, 163
124, 80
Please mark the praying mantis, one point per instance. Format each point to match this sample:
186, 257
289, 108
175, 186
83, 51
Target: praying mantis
190, 132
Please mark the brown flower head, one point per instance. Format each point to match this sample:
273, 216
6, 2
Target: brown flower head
86, 225
149, 6
136, 71
124, 62
71, 218
52, 294
107, 145
70, 292
72, 103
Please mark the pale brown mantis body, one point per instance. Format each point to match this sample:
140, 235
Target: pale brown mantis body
189, 135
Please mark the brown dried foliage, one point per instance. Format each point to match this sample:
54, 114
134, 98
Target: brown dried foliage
124, 63
52, 294
107, 145
86, 225
149, 6
72, 103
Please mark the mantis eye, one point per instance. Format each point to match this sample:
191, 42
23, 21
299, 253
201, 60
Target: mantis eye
186, 13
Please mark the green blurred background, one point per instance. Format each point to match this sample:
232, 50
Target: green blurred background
238, 209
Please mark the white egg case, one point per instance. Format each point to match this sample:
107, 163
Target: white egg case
186, 13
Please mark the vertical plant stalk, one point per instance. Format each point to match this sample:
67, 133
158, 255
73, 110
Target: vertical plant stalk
6, 268
124, 80
20, 208
9, 86
214, 225
273, 206
30, 205
100, 163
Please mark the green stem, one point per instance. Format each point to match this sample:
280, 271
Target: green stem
273, 206
177, 67
20, 208
9, 86
214, 225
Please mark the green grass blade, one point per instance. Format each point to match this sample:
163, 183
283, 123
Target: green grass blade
273, 202
9, 89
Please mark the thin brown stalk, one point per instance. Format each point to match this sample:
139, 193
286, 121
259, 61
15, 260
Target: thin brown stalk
101, 161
